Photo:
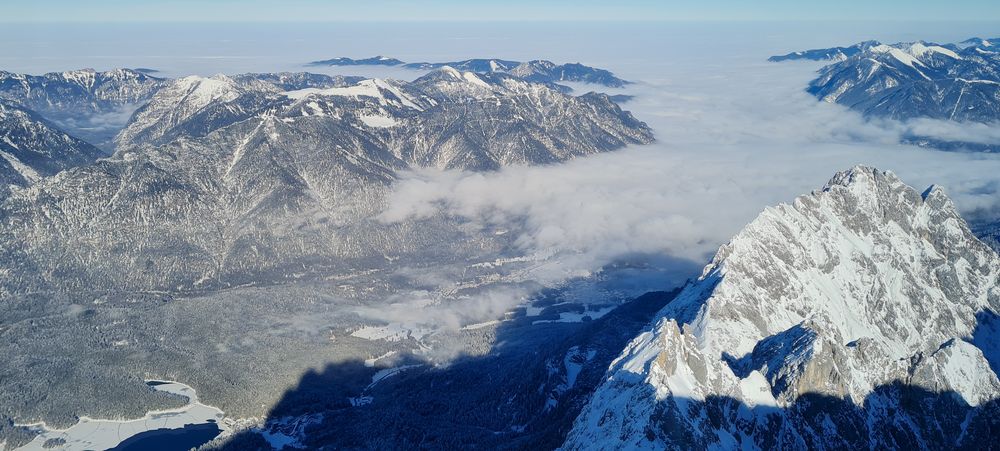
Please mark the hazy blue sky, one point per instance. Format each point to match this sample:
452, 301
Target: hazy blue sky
394, 10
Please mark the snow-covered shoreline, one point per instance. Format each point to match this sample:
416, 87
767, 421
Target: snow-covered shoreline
91, 433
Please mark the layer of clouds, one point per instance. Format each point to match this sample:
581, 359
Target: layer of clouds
732, 139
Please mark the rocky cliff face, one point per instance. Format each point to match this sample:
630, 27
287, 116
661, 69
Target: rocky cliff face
859, 316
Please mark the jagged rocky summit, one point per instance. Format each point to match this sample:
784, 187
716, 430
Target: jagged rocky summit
860, 316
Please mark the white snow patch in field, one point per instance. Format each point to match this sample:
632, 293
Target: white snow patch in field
366, 88
392, 332
378, 121
481, 325
371, 362
474, 79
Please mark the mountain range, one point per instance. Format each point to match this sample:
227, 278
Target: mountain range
538, 71
226, 180
959, 82
87, 104
225, 230
830, 54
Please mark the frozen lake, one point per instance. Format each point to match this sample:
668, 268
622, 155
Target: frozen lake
174, 429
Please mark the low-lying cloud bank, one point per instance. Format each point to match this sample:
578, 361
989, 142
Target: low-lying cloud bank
732, 139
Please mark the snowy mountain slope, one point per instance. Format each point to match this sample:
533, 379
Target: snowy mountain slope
181, 104
32, 148
250, 184
495, 123
195, 106
833, 322
958, 82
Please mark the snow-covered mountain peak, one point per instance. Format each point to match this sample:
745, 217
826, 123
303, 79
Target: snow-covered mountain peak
82, 77
204, 90
900, 55
848, 290
450, 74
919, 49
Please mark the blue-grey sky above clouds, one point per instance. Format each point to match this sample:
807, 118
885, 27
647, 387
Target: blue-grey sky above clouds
409, 10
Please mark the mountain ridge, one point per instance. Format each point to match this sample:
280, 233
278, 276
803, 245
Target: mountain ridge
907, 80
538, 71
223, 181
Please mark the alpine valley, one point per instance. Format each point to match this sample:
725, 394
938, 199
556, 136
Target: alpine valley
444, 256
246, 208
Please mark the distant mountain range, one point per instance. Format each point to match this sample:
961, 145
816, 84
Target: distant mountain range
88, 104
830, 54
959, 82
909, 80
373, 61
539, 71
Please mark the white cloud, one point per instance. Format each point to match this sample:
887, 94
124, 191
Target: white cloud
732, 139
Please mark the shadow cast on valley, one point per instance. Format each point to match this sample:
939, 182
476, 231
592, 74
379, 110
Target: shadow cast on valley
527, 392
524, 394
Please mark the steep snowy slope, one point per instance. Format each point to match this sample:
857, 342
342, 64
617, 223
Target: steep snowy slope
32, 148
835, 322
